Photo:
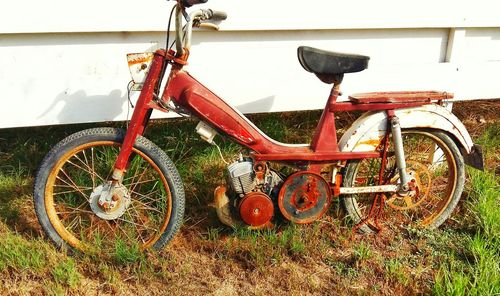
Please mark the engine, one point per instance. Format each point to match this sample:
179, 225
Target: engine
245, 176
251, 194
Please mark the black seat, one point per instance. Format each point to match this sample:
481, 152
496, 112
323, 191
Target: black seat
330, 66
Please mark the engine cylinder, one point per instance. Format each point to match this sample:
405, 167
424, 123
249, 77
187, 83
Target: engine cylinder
241, 176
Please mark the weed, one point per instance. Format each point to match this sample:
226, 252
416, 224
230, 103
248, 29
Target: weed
127, 254
213, 234
459, 259
485, 193
481, 274
395, 271
65, 273
362, 251
297, 247
55, 289
451, 279
490, 139
13, 184
19, 254
109, 273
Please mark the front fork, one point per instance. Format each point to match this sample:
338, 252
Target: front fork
397, 139
141, 115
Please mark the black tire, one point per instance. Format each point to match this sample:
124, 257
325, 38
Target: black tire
399, 213
73, 170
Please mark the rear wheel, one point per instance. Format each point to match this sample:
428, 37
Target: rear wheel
146, 209
436, 165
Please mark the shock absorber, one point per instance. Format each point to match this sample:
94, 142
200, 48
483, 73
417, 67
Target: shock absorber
397, 139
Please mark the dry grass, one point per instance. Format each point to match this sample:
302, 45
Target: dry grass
207, 258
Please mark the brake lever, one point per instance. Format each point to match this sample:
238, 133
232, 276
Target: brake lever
208, 26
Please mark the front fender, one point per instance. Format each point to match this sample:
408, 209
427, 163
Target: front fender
367, 131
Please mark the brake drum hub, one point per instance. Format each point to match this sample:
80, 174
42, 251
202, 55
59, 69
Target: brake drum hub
304, 197
420, 177
109, 205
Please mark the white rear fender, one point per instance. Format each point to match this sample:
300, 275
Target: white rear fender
367, 131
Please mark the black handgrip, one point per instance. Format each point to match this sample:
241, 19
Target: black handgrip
189, 3
217, 15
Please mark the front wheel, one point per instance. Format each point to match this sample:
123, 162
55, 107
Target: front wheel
147, 207
437, 167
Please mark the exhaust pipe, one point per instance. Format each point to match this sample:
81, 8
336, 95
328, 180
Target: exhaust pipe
223, 208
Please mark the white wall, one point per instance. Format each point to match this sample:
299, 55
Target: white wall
64, 61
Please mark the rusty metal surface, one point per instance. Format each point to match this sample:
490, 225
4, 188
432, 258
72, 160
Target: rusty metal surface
260, 170
142, 111
325, 136
351, 106
304, 197
368, 189
419, 190
338, 182
371, 126
223, 207
400, 97
377, 207
139, 65
256, 209
315, 157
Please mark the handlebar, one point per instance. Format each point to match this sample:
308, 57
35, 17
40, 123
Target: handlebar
217, 15
198, 16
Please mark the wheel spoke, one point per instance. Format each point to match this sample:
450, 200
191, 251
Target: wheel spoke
147, 196
80, 170
66, 192
123, 230
72, 184
139, 179
142, 182
147, 207
87, 165
72, 223
90, 170
73, 210
136, 224
139, 233
428, 159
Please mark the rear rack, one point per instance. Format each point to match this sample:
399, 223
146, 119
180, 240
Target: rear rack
400, 97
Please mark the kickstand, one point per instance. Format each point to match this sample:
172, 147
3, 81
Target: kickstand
380, 198
375, 215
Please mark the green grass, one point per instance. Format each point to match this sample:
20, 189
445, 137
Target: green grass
19, 254
461, 258
362, 251
396, 271
478, 273
66, 273
125, 254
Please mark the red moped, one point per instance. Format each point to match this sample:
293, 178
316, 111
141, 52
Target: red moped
404, 156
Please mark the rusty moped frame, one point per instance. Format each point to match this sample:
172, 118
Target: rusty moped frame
184, 92
370, 165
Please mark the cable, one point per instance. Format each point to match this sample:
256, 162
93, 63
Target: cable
168, 27
129, 89
183, 37
220, 152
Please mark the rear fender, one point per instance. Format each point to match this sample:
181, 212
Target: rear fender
366, 132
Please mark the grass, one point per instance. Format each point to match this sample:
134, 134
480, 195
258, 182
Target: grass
19, 254
125, 254
461, 258
479, 272
66, 273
